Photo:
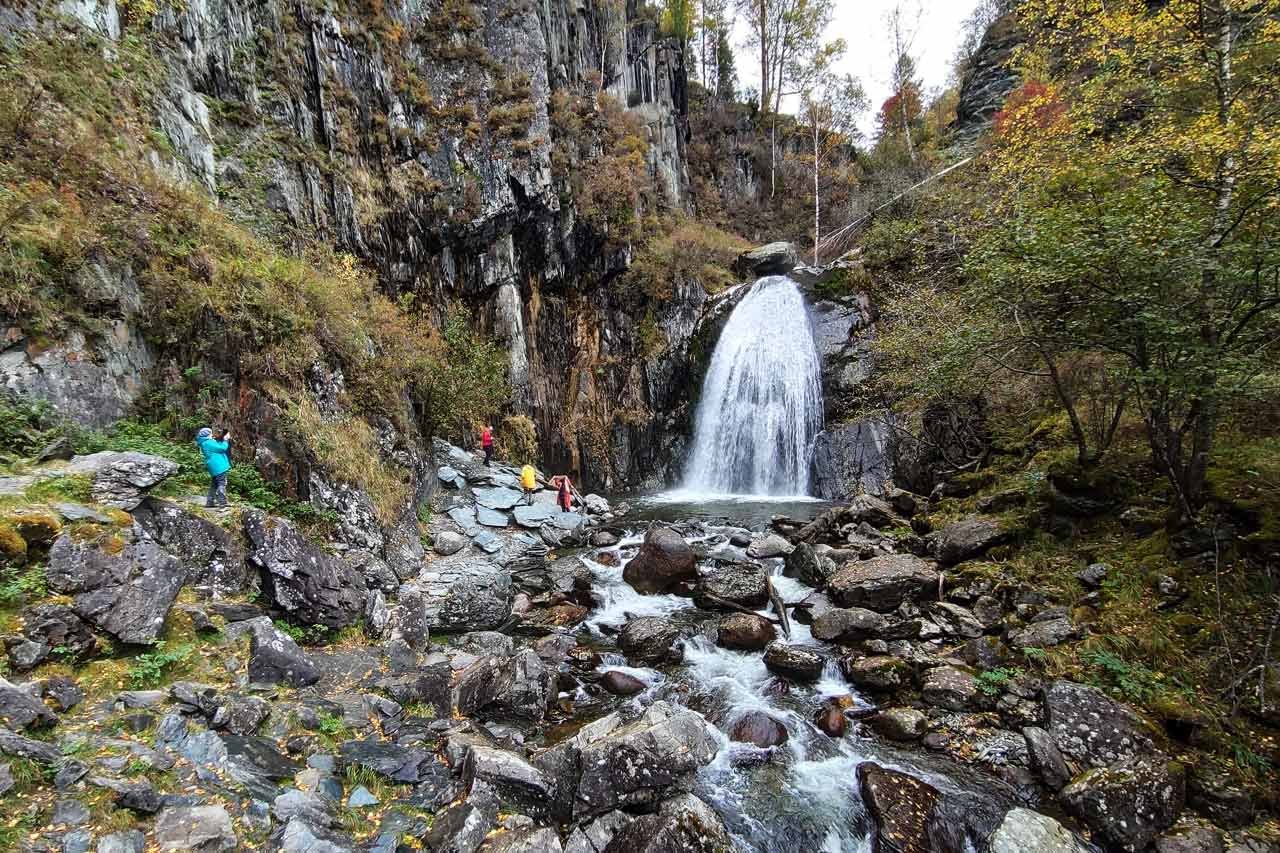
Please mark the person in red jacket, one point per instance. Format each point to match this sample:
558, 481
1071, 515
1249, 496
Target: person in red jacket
564, 494
486, 443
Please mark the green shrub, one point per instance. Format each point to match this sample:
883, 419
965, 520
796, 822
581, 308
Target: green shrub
150, 668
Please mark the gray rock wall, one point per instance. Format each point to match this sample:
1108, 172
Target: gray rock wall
380, 133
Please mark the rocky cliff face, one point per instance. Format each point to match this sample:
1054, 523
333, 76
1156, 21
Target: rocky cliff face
440, 142
988, 80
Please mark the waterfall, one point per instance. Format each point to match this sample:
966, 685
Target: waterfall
761, 403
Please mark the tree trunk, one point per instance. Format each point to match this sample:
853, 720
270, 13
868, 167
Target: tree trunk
817, 210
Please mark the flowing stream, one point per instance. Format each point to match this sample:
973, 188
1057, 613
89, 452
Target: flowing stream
761, 404
802, 795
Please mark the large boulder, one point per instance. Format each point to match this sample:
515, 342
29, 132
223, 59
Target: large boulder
809, 566
312, 586
1024, 831
119, 584
909, 815
206, 829
20, 709
214, 559
683, 824
769, 546
950, 687
746, 632
883, 583
759, 729
770, 259
1129, 803
901, 808
663, 561
903, 724
968, 538
1044, 633
467, 594
743, 584
796, 663
57, 626
121, 479
274, 657
878, 672
1091, 728
854, 624
616, 763
518, 684
649, 639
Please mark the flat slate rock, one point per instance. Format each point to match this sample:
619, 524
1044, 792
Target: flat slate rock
534, 516
463, 516
498, 497
568, 521
450, 476
491, 517
487, 541
80, 512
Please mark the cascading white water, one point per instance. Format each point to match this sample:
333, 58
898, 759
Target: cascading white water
761, 402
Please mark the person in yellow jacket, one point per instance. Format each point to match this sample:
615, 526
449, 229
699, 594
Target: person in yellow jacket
529, 481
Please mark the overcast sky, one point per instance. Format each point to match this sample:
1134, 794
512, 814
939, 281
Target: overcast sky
861, 23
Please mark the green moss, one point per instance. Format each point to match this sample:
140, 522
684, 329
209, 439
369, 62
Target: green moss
73, 487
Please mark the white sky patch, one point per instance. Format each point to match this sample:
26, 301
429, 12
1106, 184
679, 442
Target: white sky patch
861, 23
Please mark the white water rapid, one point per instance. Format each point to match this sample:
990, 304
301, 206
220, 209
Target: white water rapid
761, 403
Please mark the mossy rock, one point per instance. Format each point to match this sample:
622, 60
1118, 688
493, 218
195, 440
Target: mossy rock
36, 526
13, 548
1177, 709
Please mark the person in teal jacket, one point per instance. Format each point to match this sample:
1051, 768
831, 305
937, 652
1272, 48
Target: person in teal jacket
217, 459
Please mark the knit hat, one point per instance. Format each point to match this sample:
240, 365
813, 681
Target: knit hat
205, 432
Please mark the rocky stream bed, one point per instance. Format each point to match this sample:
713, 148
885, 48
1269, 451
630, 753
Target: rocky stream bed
545, 681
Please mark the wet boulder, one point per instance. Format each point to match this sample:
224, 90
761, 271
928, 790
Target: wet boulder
968, 538
901, 808
796, 663
758, 728
650, 639
663, 748
769, 546
745, 632
831, 720
311, 585
621, 684
743, 584
683, 824
121, 585
664, 560
882, 673
809, 566
883, 583
1129, 803
902, 724
856, 624
1092, 729
873, 511
122, 479
214, 559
